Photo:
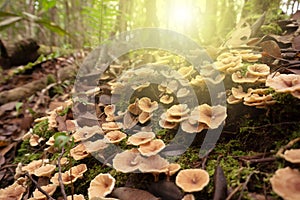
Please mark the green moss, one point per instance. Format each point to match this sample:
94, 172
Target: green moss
26, 153
41, 129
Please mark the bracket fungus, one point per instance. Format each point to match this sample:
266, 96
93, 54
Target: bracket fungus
226, 61
285, 182
144, 117
71, 175
111, 126
192, 180
86, 132
259, 70
153, 164
140, 138
146, 105
193, 126
101, 185
237, 77
32, 166
166, 99
94, 146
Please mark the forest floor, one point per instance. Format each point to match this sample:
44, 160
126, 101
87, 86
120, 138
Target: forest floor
240, 165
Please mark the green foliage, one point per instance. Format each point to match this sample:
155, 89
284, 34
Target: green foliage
61, 139
26, 153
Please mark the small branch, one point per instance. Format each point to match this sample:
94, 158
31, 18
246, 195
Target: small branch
259, 160
62, 187
234, 192
38, 187
245, 185
289, 145
267, 125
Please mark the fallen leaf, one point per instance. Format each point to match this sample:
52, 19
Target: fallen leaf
126, 193
271, 48
220, 184
167, 190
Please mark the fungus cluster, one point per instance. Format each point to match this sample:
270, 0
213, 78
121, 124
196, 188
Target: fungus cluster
260, 98
201, 117
285, 83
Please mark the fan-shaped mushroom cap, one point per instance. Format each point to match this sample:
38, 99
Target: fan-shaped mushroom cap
44, 170
153, 164
284, 82
117, 87
79, 152
141, 138
109, 111
194, 127
14, 191
182, 92
192, 180
285, 182
186, 71
238, 92
144, 117
35, 140
215, 80
86, 132
178, 110
232, 100
151, 148
71, 175
166, 124
134, 108
140, 87
101, 185
127, 161
296, 94
50, 189
227, 60
76, 197
197, 81
213, 116
292, 155
51, 141
93, 146
112, 126
146, 105
173, 118
172, 168
188, 197
166, 99
115, 136
31, 167
259, 69
237, 77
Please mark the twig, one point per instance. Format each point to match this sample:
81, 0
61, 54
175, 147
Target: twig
259, 160
267, 125
289, 145
245, 185
233, 192
62, 187
38, 187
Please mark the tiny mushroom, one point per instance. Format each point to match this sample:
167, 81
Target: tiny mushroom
146, 105
79, 152
134, 108
127, 161
140, 138
292, 155
152, 148
166, 99
112, 126
192, 126
259, 70
285, 182
101, 185
93, 146
35, 140
188, 197
237, 77
284, 82
71, 175
45, 170
172, 169
182, 92
109, 111
115, 136
144, 117
153, 164
49, 189
86, 132
192, 180
31, 167
14, 191
75, 197
186, 71
212, 116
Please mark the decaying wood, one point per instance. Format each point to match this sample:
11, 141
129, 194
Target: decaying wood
19, 53
31, 88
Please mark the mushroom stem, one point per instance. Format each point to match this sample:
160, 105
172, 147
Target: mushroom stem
156, 176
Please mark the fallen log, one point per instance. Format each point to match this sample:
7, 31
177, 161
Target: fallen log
19, 53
